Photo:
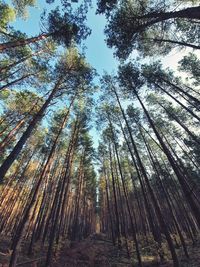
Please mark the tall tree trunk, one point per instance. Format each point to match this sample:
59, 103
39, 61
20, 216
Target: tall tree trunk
180, 43
17, 80
109, 208
180, 103
23, 42
117, 224
181, 179
126, 198
179, 89
64, 187
155, 166
21, 227
18, 147
156, 17
11, 134
154, 200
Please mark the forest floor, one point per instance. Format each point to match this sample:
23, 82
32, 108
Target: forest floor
95, 251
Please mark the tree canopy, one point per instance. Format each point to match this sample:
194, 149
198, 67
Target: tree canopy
100, 167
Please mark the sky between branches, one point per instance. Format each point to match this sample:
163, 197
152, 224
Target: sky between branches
97, 53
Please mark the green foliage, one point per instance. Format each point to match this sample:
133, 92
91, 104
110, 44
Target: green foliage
21, 7
22, 103
145, 141
190, 64
106, 6
148, 25
7, 15
4, 95
67, 28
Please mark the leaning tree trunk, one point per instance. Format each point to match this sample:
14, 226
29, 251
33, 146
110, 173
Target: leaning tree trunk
16, 81
163, 225
155, 166
64, 187
23, 42
157, 17
178, 121
18, 147
115, 199
21, 60
180, 43
179, 89
21, 227
181, 179
126, 199
177, 101
11, 134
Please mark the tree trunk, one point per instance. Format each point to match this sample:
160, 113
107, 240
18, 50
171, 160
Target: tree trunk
180, 103
64, 187
154, 200
21, 228
179, 89
23, 42
155, 17
17, 80
181, 179
18, 147
10, 135
174, 42
170, 114
126, 198
115, 199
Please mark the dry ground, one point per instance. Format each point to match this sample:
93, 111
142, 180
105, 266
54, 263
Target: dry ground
95, 251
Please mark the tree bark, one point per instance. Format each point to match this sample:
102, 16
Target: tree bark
23, 42
174, 42
181, 179
18, 147
155, 17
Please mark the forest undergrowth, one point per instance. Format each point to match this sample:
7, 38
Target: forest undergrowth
98, 251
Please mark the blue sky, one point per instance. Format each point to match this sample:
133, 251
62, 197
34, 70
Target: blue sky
97, 53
